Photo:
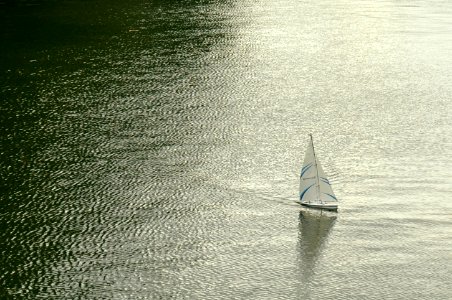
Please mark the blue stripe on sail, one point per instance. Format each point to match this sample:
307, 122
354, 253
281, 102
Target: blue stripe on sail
305, 168
325, 180
331, 196
304, 192
308, 165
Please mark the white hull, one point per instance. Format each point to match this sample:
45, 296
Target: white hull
329, 206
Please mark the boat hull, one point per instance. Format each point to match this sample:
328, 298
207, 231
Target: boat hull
330, 206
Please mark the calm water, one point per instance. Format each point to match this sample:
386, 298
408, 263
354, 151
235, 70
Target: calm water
151, 150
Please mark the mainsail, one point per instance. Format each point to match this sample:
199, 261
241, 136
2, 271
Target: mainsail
315, 187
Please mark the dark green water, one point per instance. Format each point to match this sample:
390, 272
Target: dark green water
151, 149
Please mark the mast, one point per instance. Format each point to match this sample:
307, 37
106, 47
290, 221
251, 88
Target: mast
316, 169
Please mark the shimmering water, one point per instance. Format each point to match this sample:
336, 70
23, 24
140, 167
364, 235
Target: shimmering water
151, 149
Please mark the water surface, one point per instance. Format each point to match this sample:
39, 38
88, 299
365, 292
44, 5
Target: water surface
151, 150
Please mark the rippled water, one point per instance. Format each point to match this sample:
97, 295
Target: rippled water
151, 150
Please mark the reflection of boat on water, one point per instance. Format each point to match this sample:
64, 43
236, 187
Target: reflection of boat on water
315, 188
314, 227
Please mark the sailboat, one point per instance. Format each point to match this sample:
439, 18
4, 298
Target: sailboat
315, 188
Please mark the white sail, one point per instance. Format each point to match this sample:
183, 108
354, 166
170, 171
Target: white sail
326, 192
315, 188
